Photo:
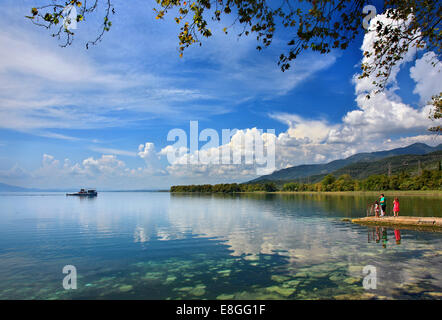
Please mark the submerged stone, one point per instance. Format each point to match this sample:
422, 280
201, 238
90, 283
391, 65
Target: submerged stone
279, 278
414, 289
126, 288
225, 297
152, 275
435, 294
292, 283
335, 278
186, 289
281, 290
257, 295
301, 275
355, 269
225, 273
352, 280
198, 291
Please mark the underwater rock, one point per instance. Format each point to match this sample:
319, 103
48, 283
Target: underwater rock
414, 289
335, 278
126, 288
285, 292
257, 295
152, 275
225, 273
106, 279
170, 278
301, 275
291, 283
279, 278
352, 280
198, 292
225, 296
186, 289
355, 269
435, 294
348, 296
253, 257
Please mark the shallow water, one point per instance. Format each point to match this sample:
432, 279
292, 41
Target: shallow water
249, 246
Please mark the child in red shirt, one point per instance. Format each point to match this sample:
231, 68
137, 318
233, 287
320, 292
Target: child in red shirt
396, 207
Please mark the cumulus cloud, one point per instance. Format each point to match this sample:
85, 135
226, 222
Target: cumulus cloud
382, 122
43, 88
114, 151
428, 77
366, 85
384, 114
16, 172
90, 168
247, 152
107, 164
148, 153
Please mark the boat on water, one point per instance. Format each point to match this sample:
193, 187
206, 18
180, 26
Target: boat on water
84, 193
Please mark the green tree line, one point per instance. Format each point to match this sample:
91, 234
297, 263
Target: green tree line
426, 180
226, 188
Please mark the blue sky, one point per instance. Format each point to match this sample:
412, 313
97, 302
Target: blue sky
73, 117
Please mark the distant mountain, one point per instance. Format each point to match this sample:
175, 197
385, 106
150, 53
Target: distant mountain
396, 164
8, 187
312, 170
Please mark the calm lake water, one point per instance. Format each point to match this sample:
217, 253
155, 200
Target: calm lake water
250, 246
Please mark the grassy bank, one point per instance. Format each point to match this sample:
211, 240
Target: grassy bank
434, 193
427, 182
391, 193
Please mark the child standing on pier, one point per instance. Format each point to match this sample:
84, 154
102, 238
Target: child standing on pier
396, 207
376, 209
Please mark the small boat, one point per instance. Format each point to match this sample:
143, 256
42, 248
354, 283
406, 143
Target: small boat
84, 193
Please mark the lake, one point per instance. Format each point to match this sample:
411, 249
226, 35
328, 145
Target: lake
154, 245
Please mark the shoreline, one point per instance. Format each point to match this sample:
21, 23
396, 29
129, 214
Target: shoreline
433, 193
369, 193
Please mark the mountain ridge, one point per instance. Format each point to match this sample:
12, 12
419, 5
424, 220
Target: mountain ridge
309, 170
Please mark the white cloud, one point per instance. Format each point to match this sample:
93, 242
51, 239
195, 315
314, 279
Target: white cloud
380, 123
107, 164
41, 89
428, 77
16, 172
366, 85
114, 151
151, 158
44, 87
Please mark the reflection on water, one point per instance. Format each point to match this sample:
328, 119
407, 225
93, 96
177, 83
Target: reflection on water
375, 234
248, 246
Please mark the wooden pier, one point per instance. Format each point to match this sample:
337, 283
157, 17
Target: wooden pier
403, 222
